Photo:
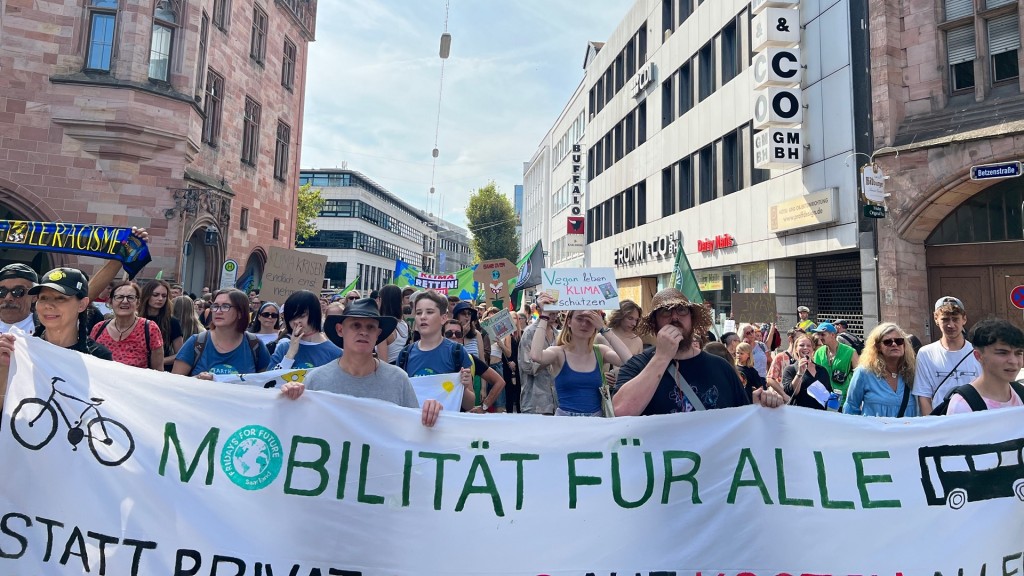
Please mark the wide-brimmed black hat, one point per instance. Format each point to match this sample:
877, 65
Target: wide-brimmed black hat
462, 306
362, 308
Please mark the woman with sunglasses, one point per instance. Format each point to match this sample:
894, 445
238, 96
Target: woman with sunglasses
884, 376
226, 348
576, 360
154, 306
132, 340
307, 346
491, 383
266, 324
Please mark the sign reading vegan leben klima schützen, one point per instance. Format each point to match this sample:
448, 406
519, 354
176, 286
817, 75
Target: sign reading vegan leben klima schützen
167, 477
580, 288
107, 242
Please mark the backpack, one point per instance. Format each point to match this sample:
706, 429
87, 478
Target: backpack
403, 357
974, 400
852, 341
103, 326
202, 337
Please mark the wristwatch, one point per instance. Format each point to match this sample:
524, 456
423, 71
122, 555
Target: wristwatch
484, 407
604, 330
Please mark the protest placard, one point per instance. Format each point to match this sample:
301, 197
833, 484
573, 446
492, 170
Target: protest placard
751, 308
289, 271
581, 288
499, 325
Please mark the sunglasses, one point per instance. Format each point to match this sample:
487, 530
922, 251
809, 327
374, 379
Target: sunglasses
893, 342
452, 334
352, 298
18, 292
273, 315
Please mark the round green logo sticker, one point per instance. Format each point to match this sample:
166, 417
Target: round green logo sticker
251, 457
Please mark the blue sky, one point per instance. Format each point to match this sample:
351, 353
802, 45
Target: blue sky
373, 79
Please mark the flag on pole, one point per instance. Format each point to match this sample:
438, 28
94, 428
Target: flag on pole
684, 279
529, 268
351, 286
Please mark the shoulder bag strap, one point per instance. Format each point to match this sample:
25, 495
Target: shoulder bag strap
906, 399
1018, 388
600, 363
685, 387
952, 371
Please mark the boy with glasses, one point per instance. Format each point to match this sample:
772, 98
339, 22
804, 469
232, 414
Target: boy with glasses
15, 302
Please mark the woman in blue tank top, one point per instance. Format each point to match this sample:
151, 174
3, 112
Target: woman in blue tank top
573, 360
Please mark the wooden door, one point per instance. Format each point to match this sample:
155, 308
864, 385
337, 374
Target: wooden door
1005, 279
971, 284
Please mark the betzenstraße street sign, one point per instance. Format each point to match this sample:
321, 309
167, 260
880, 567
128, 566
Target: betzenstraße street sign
995, 171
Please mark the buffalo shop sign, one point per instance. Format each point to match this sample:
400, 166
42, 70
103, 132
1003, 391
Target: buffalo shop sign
778, 104
717, 243
575, 228
639, 252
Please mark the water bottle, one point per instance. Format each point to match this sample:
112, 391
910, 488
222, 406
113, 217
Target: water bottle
833, 402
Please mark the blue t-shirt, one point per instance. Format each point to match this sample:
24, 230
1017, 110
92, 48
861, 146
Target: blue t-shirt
238, 361
310, 354
436, 361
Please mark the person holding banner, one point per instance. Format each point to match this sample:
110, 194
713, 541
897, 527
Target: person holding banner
358, 331
226, 348
492, 383
156, 307
576, 360
132, 341
674, 377
308, 346
266, 324
432, 353
15, 302
883, 380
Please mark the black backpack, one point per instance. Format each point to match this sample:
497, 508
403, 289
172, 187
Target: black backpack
852, 341
973, 399
403, 357
203, 337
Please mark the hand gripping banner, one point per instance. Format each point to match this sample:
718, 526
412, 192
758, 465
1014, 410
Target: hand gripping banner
107, 242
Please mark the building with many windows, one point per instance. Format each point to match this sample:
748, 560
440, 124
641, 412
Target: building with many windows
364, 230
948, 100
668, 136
452, 246
180, 117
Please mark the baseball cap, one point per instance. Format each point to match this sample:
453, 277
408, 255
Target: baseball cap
19, 270
843, 323
803, 309
67, 281
825, 327
949, 300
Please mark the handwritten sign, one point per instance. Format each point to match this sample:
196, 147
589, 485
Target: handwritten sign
499, 325
289, 271
581, 288
754, 307
493, 277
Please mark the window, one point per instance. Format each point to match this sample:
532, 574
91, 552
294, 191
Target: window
730, 52
685, 9
685, 81
641, 123
630, 209
204, 28
706, 173
641, 203
630, 123
667, 19
102, 22
685, 184
284, 133
212, 107
288, 65
958, 9
705, 71
1003, 44
961, 52
618, 216
250, 131
667, 101
258, 42
642, 44
277, 228
165, 20
243, 219
732, 163
620, 71
630, 58
668, 192
221, 10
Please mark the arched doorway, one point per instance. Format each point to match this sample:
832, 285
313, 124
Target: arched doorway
252, 276
976, 253
200, 259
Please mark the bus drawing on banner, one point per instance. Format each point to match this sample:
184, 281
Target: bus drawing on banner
956, 475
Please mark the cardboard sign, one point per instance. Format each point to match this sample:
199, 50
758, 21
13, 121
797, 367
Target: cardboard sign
499, 325
289, 271
754, 307
493, 277
581, 288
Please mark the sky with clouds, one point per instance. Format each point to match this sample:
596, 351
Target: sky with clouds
374, 73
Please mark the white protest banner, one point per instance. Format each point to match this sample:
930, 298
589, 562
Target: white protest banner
445, 388
499, 325
580, 288
268, 379
171, 476
289, 271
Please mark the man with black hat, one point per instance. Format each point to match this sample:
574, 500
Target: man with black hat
673, 376
15, 302
357, 331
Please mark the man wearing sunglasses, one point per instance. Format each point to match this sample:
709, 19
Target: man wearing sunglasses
15, 302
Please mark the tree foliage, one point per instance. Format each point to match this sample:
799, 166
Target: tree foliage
309, 206
492, 222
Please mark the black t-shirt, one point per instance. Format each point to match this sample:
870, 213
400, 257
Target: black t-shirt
803, 398
750, 380
712, 378
87, 346
175, 331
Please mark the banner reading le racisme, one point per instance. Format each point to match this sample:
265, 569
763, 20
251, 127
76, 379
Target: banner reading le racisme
116, 470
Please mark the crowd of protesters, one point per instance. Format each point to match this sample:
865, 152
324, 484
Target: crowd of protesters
573, 363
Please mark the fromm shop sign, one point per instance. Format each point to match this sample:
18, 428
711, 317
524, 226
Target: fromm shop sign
716, 243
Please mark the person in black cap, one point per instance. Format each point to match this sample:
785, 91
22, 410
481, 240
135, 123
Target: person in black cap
357, 331
15, 302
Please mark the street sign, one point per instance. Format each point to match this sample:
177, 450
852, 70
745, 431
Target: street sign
996, 171
872, 211
1017, 297
228, 274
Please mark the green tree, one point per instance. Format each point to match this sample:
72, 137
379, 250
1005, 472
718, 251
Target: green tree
492, 222
309, 206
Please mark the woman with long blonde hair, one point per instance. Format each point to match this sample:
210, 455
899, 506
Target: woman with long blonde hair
745, 366
183, 308
884, 376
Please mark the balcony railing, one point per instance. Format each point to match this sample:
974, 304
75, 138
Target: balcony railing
304, 13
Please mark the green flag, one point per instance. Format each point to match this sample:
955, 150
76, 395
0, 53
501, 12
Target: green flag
349, 288
683, 278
